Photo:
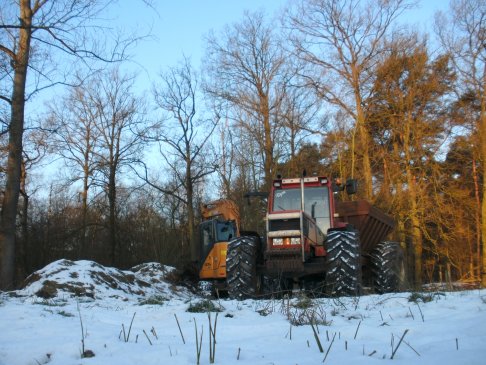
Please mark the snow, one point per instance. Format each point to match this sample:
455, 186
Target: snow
439, 327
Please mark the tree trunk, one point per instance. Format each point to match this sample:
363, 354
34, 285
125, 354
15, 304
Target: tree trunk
112, 217
22, 243
363, 145
14, 161
195, 252
268, 143
84, 203
482, 136
413, 204
84, 212
477, 215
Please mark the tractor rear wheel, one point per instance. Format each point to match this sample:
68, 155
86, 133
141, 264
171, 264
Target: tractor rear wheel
343, 275
241, 267
388, 267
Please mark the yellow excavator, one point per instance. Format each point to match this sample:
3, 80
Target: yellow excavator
220, 224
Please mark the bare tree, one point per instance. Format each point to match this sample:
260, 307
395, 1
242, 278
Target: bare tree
35, 149
77, 139
339, 41
120, 125
225, 148
183, 139
246, 72
30, 29
300, 119
463, 34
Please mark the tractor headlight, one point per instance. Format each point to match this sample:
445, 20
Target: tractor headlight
295, 241
277, 242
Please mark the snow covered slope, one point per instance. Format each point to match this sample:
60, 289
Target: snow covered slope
124, 320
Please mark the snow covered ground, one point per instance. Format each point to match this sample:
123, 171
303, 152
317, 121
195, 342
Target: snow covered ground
126, 321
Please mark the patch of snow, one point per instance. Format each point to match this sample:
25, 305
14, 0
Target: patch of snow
437, 328
88, 279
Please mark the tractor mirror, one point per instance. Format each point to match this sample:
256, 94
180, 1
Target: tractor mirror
351, 186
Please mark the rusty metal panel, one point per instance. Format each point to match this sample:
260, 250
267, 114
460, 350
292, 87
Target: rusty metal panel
373, 224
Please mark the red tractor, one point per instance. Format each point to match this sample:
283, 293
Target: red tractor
316, 242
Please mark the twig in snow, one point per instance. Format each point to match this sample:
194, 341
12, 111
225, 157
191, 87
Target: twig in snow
398, 345
316, 336
198, 342
406, 343
180, 330
130, 328
145, 333
82, 329
421, 314
154, 333
329, 349
212, 337
357, 329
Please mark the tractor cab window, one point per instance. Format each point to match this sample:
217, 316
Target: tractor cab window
286, 199
225, 231
317, 206
316, 203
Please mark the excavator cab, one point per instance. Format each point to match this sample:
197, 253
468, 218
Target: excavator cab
214, 236
220, 224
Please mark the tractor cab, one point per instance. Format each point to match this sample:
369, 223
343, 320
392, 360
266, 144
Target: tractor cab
300, 214
287, 196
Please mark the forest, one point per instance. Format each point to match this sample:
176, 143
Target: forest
342, 89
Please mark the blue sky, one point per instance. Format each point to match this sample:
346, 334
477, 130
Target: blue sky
179, 27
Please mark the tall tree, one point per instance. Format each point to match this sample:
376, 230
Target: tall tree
462, 34
120, 124
406, 119
340, 42
28, 28
183, 138
300, 116
77, 140
245, 69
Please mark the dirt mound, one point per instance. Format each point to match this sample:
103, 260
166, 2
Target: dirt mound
66, 278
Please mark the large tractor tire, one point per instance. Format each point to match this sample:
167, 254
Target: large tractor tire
388, 267
241, 268
343, 276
